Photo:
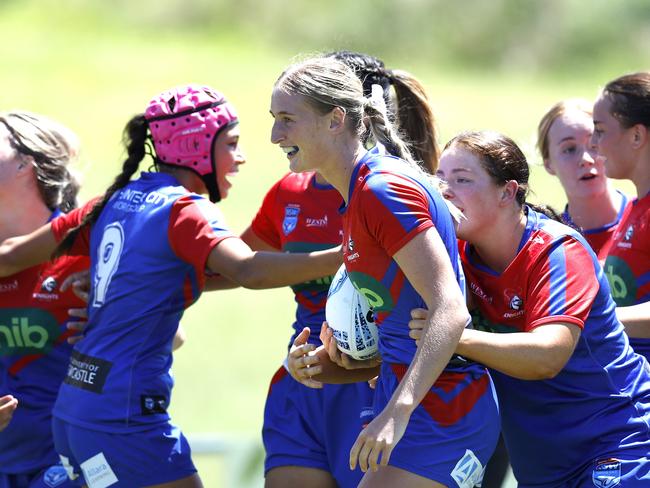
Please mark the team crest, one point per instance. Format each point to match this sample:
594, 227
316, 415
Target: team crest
607, 473
290, 219
629, 232
516, 303
350, 244
49, 284
55, 476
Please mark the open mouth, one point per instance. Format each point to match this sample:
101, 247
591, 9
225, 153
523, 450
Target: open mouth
588, 177
290, 151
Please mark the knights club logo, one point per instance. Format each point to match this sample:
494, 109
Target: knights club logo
48, 285
290, 218
629, 232
350, 244
513, 297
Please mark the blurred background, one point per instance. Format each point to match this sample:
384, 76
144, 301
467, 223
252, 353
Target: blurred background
486, 65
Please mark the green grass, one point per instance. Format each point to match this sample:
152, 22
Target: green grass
93, 75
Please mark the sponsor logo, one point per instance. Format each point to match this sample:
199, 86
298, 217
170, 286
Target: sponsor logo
316, 222
49, 284
98, 472
468, 472
5, 287
290, 218
622, 283
478, 291
129, 200
152, 404
606, 473
27, 331
87, 372
55, 476
378, 296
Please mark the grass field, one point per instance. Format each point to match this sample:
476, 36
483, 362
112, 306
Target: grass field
93, 75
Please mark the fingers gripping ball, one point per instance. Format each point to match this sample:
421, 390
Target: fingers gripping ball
351, 318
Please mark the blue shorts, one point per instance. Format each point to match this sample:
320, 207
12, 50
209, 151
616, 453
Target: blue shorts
452, 433
51, 477
143, 458
315, 428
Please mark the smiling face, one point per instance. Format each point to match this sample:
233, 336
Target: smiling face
299, 130
572, 158
227, 155
612, 141
470, 188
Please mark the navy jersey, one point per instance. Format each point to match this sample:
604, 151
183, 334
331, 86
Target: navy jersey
599, 403
148, 252
34, 356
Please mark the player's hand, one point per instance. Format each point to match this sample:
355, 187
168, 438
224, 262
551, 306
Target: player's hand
376, 442
78, 326
80, 283
8, 405
340, 358
417, 324
302, 362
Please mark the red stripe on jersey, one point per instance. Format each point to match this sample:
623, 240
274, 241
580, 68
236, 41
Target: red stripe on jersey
277, 377
449, 412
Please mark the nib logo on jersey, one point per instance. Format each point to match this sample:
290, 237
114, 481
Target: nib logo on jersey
27, 331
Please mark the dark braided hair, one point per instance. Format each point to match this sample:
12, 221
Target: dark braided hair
135, 140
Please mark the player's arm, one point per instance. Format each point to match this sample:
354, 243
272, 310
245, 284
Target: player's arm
256, 243
425, 262
22, 252
262, 269
636, 319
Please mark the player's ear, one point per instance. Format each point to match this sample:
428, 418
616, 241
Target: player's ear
509, 192
639, 135
337, 119
547, 166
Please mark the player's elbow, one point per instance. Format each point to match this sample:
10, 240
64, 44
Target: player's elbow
252, 276
543, 372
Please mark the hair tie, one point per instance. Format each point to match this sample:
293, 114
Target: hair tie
376, 99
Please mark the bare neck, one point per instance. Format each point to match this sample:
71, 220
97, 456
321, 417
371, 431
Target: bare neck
499, 243
597, 211
337, 170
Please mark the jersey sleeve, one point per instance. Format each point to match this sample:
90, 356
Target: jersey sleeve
564, 285
397, 210
263, 224
195, 227
64, 223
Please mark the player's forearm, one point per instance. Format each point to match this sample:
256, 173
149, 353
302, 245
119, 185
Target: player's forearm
636, 319
273, 269
522, 355
437, 345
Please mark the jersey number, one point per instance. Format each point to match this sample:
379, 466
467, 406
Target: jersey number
108, 258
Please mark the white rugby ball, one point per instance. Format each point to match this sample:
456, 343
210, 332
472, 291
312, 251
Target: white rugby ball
350, 317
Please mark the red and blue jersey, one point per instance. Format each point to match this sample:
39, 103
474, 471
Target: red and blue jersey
597, 238
627, 265
34, 357
148, 252
599, 404
388, 205
300, 215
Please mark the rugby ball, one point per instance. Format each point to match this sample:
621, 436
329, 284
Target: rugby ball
351, 318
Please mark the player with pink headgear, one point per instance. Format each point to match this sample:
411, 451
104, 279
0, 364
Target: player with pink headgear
151, 242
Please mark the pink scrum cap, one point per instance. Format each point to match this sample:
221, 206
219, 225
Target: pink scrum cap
184, 123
